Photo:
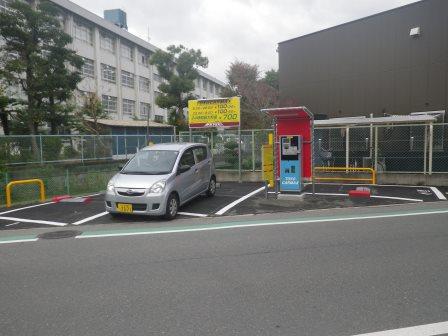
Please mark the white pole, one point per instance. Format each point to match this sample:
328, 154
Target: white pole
375, 164
239, 154
431, 140
425, 149
347, 147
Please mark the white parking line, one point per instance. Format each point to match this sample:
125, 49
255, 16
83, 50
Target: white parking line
192, 214
239, 200
27, 207
88, 219
373, 196
421, 330
438, 193
398, 198
36, 221
15, 223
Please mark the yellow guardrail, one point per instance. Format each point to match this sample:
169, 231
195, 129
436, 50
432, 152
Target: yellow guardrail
31, 181
372, 180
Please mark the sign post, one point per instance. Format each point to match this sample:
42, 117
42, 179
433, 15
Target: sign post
219, 112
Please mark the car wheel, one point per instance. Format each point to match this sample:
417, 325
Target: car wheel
211, 187
172, 206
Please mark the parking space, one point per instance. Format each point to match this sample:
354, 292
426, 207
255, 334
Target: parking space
231, 199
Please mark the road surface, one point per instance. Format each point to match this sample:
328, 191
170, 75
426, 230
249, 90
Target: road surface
333, 272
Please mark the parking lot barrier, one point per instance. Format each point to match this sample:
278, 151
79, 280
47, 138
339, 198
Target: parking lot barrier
18, 182
347, 170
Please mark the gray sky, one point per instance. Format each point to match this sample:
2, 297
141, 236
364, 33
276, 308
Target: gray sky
229, 30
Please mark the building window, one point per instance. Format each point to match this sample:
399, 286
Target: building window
144, 84
127, 52
145, 109
210, 87
4, 5
158, 118
143, 58
128, 107
157, 78
82, 32
88, 68
108, 73
127, 79
107, 43
204, 84
109, 104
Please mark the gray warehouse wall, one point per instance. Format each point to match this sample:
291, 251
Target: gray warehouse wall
371, 65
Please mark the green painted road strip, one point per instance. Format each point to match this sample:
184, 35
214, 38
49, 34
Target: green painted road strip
230, 225
18, 239
234, 225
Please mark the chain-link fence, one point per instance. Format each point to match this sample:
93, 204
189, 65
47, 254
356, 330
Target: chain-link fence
62, 148
224, 146
76, 180
387, 148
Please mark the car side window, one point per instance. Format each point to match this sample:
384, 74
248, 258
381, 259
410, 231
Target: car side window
200, 153
187, 158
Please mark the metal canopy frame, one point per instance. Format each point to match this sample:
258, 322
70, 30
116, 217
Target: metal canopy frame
299, 112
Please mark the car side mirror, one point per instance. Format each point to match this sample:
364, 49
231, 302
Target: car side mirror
183, 169
120, 168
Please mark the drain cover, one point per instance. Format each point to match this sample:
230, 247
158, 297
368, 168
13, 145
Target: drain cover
59, 234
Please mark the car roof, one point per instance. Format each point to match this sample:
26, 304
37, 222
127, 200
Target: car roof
173, 146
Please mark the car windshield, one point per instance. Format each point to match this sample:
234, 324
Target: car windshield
151, 162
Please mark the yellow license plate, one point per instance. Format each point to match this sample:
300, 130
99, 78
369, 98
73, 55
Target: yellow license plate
126, 208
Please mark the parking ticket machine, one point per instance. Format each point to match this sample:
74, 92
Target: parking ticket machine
290, 163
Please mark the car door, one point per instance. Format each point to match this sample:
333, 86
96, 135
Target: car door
203, 166
186, 182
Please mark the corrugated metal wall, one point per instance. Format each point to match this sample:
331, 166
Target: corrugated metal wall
371, 65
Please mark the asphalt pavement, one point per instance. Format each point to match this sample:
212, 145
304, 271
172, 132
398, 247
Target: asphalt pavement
325, 272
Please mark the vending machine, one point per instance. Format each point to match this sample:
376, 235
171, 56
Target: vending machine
290, 163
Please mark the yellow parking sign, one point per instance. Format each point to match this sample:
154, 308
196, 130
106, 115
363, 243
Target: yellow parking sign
220, 112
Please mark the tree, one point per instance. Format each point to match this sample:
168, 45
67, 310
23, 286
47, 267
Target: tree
34, 58
271, 78
60, 81
91, 112
244, 80
4, 113
178, 66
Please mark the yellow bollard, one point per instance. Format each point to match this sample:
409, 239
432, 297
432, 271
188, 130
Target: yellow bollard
31, 181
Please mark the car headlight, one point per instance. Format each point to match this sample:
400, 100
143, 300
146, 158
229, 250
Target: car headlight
110, 187
158, 187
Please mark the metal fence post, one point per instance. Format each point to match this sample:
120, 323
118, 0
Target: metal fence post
94, 147
239, 154
425, 150
253, 150
67, 181
347, 147
211, 140
41, 149
431, 147
375, 163
82, 148
125, 147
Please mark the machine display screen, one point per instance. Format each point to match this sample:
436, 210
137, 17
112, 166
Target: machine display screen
290, 148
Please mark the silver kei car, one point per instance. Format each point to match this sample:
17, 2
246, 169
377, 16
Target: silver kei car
160, 178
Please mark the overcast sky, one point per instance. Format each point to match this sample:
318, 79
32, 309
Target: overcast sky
229, 30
